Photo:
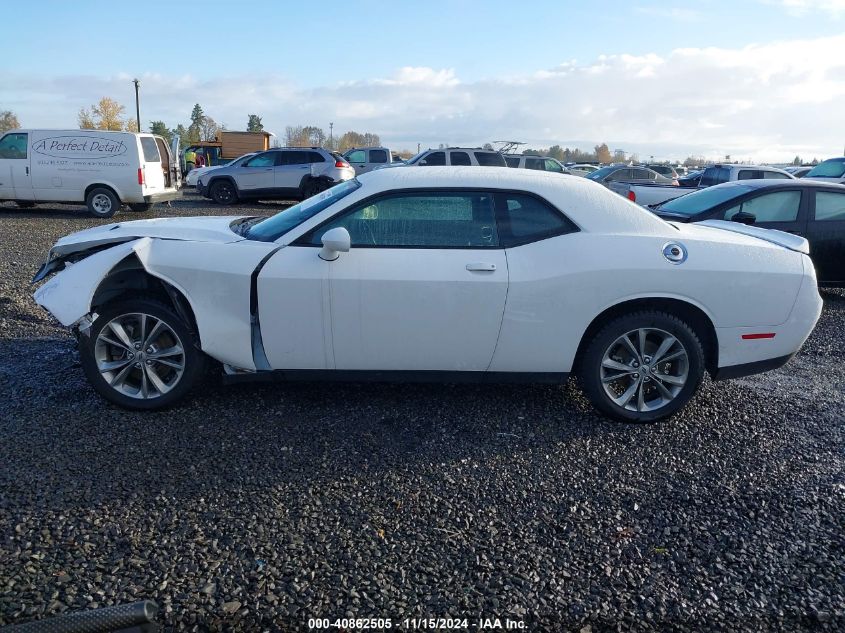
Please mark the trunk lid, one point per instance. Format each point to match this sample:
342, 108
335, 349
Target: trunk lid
786, 240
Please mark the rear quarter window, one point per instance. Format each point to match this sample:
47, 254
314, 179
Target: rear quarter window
490, 159
150, 148
523, 219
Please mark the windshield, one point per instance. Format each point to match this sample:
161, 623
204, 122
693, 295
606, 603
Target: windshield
601, 173
413, 160
833, 168
703, 200
239, 160
277, 225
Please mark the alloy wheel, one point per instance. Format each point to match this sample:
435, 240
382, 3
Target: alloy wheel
644, 369
139, 355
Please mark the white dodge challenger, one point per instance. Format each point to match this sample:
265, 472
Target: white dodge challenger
443, 273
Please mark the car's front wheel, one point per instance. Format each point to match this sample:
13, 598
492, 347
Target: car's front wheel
141, 355
642, 367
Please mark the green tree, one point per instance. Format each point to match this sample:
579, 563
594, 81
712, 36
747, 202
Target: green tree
796, 160
8, 121
555, 151
254, 124
195, 128
182, 132
160, 129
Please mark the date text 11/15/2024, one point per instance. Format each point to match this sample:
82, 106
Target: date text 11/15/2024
418, 624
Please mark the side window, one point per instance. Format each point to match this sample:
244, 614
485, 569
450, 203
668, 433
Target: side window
459, 158
524, 218
534, 163
357, 156
295, 158
512, 161
148, 145
774, 174
553, 165
14, 146
490, 159
830, 206
315, 157
780, 206
378, 156
267, 159
434, 159
642, 174
749, 174
419, 220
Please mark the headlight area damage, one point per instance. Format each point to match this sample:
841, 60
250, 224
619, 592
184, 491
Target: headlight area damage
68, 296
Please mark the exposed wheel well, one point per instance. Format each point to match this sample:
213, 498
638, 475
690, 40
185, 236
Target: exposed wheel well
693, 315
217, 179
129, 280
90, 188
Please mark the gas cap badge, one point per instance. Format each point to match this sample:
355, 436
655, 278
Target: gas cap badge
675, 253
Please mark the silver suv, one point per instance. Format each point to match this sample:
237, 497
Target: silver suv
458, 156
286, 173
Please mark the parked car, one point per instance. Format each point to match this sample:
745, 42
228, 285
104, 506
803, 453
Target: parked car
812, 209
628, 174
474, 156
799, 172
581, 169
100, 169
830, 170
447, 273
648, 195
540, 163
364, 159
664, 170
194, 175
288, 172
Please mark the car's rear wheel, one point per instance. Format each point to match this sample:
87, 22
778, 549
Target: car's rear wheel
102, 203
642, 367
223, 192
141, 207
141, 355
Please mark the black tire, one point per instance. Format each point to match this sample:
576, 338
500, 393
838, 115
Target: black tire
142, 207
180, 336
652, 377
24, 204
309, 188
223, 192
102, 203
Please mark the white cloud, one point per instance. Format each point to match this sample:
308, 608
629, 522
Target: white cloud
762, 101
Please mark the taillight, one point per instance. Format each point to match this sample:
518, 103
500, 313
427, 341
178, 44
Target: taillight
676, 183
341, 163
632, 196
140, 175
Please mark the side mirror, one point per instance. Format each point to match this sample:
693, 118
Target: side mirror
744, 218
335, 241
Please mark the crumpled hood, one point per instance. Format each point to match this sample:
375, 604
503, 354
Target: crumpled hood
198, 229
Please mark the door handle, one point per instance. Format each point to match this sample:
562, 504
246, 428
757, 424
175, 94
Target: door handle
481, 267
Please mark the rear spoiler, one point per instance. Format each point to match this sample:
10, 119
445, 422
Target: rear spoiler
787, 240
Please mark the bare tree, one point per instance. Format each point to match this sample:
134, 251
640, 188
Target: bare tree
208, 129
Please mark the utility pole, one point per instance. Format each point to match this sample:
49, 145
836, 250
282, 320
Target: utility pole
137, 103
331, 135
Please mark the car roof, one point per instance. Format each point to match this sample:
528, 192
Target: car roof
778, 183
592, 206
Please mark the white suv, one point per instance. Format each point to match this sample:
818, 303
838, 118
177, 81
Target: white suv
474, 156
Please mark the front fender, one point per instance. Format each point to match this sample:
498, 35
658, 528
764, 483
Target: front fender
68, 295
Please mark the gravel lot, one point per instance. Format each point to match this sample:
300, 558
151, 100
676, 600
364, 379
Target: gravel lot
255, 507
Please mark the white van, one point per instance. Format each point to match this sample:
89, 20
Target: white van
102, 169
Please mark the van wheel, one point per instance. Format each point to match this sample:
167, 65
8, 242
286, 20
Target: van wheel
102, 203
141, 207
223, 192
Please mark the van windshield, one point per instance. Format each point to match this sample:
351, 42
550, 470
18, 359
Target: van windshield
277, 225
